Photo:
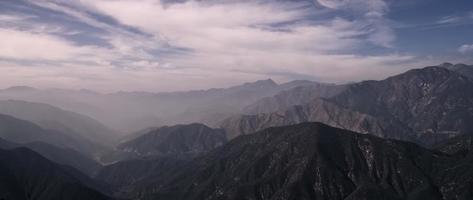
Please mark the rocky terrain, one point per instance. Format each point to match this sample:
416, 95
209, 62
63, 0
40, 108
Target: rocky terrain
422, 105
405, 137
310, 161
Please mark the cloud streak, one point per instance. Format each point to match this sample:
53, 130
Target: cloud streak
199, 44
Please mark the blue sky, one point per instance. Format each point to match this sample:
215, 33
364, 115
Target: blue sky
153, 45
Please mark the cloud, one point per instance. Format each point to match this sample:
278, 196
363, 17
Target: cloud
356, 5
466, 48
198, 44
455, 20
449, 19
369, 14
30, 46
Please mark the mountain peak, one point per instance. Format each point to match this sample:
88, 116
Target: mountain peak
266, 81
262, 83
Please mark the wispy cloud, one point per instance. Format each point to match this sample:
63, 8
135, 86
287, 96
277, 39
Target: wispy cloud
370, 14
455, 20
198, 44
25, 45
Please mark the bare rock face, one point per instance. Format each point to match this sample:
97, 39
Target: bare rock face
314, 161
176, 140
422, 105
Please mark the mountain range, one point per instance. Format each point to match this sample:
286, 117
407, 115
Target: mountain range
131, 111
409, 136
304, 161
422, 105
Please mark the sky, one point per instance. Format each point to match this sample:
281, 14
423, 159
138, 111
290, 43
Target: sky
170, 45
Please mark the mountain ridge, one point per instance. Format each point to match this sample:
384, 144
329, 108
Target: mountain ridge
413, 101
313, 161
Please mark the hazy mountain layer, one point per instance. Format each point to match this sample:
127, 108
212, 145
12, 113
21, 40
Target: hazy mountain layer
50, 117
21, 131
131, 111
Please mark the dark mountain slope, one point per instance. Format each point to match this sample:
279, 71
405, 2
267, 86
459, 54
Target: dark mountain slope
460, 145
124, 176
63, 156
315, 161
176, 140
27, 175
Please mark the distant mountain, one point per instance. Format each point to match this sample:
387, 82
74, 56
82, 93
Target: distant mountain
131, 111
422, 105
175, 140
19, 89
295, 96
50, 117
27, 175
313, 161
21, 131
213, 105
318, 110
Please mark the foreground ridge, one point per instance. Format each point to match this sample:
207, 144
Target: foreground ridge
314, 161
